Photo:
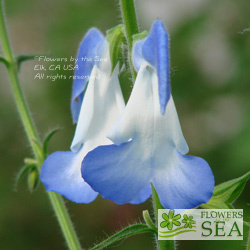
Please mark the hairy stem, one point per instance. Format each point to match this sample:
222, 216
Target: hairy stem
64, 221
161, 244
18, 95
131, 28
30, 130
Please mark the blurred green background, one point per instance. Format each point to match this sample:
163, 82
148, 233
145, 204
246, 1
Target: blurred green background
210, 58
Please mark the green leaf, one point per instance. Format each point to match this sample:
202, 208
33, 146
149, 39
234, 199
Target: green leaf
123, 234
3, 60
23, 171
33, 179
227, 192
116, 39
140, 36
47, 139
22, 58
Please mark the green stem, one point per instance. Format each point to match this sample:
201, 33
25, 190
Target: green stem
20, 101
131, 28
161, 244
55, 199
64, 221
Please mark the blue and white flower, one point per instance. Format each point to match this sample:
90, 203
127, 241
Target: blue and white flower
101, 106
149, 146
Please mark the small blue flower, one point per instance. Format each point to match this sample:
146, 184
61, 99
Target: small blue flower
101, 106
149, 146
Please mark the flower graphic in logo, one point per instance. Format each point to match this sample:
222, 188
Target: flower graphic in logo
170, 219
188, 221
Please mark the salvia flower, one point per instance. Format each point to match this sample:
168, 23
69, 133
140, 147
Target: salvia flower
99, 109
101, 105
149, 147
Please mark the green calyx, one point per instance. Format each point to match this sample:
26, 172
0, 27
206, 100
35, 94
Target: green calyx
117, 40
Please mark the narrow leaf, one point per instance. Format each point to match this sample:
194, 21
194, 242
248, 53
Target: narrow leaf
148, 220
116, 39
231, 190
22, 58
23, 171
33, 179
3, 60
47, 139
123, 234
227, 192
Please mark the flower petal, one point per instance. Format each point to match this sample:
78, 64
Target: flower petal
154, 50
89, 48
143, 195
61, 173
138, 59
101, 107
138, 111
189, 182
110, 172
142, 119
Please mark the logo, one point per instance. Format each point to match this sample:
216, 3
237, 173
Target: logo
200, 224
